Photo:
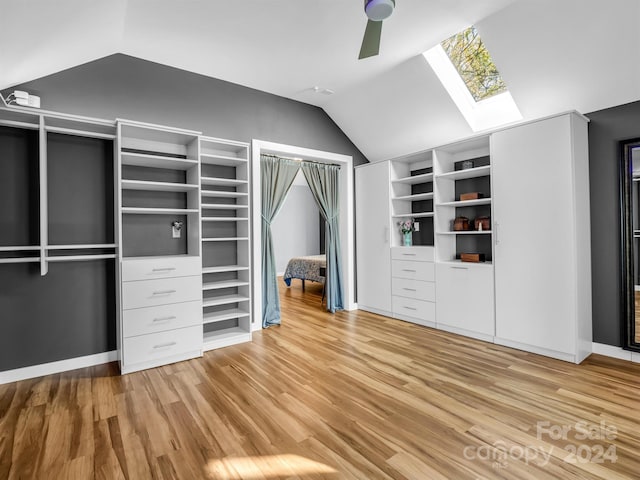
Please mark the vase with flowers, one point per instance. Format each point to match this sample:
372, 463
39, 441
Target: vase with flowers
407, 227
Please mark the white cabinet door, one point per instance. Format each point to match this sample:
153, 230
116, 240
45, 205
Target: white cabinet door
464, 298
372, 237
534, 214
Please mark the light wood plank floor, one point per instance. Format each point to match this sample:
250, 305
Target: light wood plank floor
351, 395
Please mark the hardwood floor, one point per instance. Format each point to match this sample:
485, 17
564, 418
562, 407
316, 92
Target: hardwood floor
350, 395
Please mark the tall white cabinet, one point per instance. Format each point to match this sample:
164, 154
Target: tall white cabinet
533, 289
373, 237
542, 249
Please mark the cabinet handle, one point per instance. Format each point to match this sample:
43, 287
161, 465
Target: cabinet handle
163, 319
164, 292
165, 269
165, 345
407, 270
495, 232
409, 289
410, 308
460, 268
409, 254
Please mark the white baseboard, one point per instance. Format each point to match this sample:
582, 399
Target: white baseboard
25, 373
615, 352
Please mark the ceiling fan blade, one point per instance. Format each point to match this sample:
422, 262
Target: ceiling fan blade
371, 41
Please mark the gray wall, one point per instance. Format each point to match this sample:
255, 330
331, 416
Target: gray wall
607, 128
296, 230
120, 86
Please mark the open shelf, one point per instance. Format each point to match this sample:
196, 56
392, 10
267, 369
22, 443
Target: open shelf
157, 186
224, 219
415, 179
224, 300
415, 197
224, 239
468, 173
224, 284
223, 315
487, 264
225, 337
466, 203
158, 211
466, 232
414, 215
156, 161
224, 268
222, 181
223, 206
223, 194
227, 161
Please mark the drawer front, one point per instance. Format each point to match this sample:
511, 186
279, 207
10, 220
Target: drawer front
146, 348
421, 254
424, 271
413, 289
152, 268
150, 293
418, 309
143, 321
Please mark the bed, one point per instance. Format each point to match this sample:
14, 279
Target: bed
306, 268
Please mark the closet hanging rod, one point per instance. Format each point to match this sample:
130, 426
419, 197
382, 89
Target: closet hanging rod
300, 160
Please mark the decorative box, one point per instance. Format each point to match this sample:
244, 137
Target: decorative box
461, 224
482, 223
472, 257
471, 196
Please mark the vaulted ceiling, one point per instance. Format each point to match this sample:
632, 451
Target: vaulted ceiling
554, 55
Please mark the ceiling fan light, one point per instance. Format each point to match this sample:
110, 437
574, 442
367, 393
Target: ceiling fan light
378, 10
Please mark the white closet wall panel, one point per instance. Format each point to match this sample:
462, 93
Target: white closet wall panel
535, 237
372, 238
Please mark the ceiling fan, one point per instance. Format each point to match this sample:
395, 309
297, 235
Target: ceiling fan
377, 11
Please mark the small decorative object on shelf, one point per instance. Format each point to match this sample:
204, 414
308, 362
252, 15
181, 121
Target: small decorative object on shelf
407, 228
472, 257
464, 165
461, 224
471, 196
482, 223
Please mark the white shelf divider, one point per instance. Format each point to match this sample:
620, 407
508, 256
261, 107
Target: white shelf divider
157, 186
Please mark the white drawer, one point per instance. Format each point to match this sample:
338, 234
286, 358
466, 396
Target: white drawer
142, 321
418, 309
160, 267
421, 254
409, 269
147, 348
149, 293
413, 289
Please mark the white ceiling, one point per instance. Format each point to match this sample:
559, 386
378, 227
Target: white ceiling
554, 55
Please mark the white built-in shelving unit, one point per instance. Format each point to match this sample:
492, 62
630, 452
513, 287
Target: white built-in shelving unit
161, 284
226, 267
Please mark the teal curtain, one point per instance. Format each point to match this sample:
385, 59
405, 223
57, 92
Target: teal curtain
323, 181
276, 179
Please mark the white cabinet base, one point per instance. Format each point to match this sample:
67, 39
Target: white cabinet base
538, 350
466, 333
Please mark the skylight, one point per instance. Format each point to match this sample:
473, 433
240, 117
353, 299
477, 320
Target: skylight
465, 68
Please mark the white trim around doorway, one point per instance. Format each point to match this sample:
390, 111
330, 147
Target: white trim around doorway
259, 147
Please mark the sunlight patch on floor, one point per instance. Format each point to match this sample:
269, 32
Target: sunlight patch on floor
247, 468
